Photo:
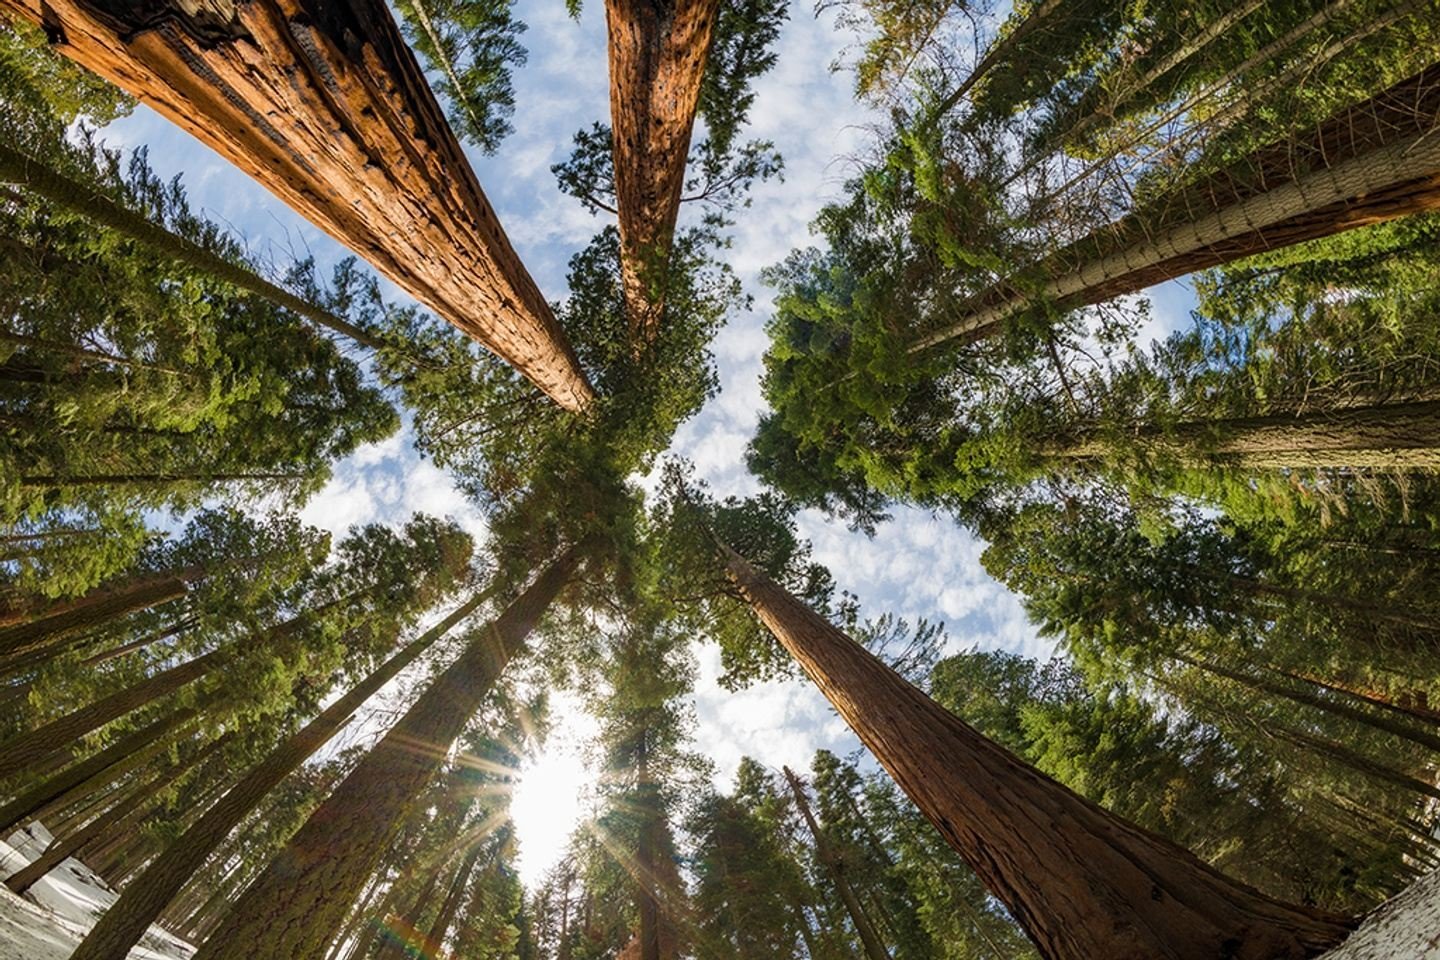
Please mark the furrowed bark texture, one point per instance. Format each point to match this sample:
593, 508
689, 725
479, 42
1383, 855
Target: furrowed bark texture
324, 104
1082, 882
1389, 436
142, 901
299, 900
658, 50
1372, 162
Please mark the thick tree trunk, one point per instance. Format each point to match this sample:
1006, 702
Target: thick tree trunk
869, 937
1395, 436
1370, 163
658, 50
142, 902
1412, 704
95, 772
1082, 882
40, 623
297, 903
325, 105
1378, 722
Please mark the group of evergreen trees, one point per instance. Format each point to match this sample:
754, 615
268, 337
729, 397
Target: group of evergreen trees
1230, 532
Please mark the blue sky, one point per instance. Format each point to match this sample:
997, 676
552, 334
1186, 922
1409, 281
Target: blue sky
918, 565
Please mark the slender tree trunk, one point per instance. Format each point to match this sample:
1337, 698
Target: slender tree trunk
1342, 755
869, 937
20, 751
1370, 163
998, 51
404, 926
126, 812
1387, 436
299, 900
658, 50
352, 139
440, 927
35, 626
142, 902
1407, 704
1402, 730
1082, 882
95, 772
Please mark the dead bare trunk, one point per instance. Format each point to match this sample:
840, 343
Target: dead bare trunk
325, 106
1082, 882
658, 50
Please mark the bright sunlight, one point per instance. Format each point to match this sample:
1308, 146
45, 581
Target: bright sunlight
555, 789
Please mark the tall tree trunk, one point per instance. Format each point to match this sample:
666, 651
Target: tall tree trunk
997, 52
34, 623
123, 814
300, 899
445, 917
1387, 436
96, 771
1410, 703
404, 940
325, 106
141, 903
658, 50
869, 937
1378, 722
1082, 882
17, 753
1367, 164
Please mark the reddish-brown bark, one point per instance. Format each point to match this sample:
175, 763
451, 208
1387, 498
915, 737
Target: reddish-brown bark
658, 50
325, 105
1082, 882
299, 900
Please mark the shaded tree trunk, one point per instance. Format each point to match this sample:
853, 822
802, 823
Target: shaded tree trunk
325, 105
34, 623
96, 771
1387, 436
142, 902
658, 50
1082, 882
451, 906
300, 899
1369, 163
869, 937
1411, 704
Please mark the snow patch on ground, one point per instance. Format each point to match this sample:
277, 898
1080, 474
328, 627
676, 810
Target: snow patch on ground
1405, 927
56, 913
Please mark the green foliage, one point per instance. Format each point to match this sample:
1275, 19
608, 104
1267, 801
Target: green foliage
470, 46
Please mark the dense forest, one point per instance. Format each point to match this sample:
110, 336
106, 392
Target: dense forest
273, 740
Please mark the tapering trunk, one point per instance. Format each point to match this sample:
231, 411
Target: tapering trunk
141, 903
998, 51
1365, 717
1388, 436
300, 899
1410, 703
1369, 163
404, 939
327, 108
647, 888
1342, 755
96, 771
445, 917
869, 937
17, 753
125, 813
658, 50
1082, 882
33, 623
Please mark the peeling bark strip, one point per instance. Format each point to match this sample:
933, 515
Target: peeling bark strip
1082, 882
658, 50
1367, 164
324, 105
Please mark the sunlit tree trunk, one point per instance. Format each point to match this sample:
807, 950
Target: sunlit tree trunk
1082, 882
658, 50
142, 901
1367, 164
325, 105
297, 903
